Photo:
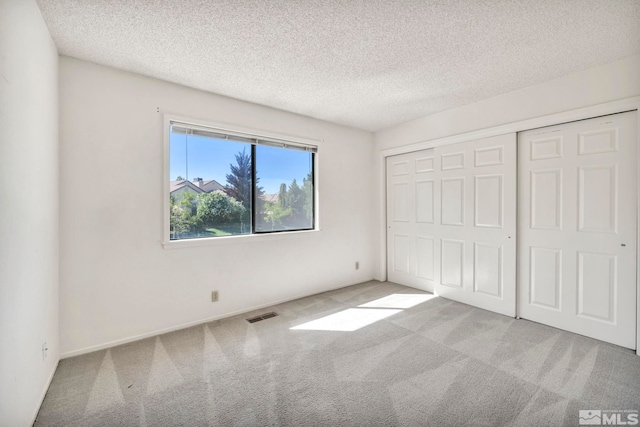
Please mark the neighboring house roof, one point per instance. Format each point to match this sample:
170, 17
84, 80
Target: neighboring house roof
198, 185
210, 185
271, 198
177, 185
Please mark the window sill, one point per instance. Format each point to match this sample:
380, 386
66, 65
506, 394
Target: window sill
242, 239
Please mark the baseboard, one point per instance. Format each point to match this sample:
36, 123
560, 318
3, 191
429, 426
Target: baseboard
44, 392
194, 323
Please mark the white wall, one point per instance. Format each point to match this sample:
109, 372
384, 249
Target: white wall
610, 82
117, 282
28, 210
606, 83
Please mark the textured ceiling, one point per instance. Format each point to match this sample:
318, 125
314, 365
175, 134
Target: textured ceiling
364, 63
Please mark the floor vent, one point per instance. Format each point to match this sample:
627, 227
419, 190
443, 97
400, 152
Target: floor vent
262, 317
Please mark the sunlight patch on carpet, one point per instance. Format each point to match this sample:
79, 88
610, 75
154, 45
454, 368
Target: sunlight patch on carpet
348, 320
399, 301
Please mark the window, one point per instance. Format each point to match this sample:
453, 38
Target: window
226, 183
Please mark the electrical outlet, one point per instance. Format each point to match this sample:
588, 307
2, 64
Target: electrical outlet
214, 296
357, 265
44, 350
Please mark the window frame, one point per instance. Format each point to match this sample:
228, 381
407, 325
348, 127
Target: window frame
242, 132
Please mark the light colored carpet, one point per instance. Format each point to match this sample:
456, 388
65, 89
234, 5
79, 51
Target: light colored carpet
438, 363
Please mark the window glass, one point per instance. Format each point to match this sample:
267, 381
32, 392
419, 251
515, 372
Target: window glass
214, 179
284, 189
210, 187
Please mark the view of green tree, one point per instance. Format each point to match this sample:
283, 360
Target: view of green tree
274, 215
182, 220
295, 201
239, 180
179, 178
292, 210
307, 186
282, 196
239, 183
215, 209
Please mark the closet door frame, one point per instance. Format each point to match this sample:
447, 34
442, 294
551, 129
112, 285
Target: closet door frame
621, 106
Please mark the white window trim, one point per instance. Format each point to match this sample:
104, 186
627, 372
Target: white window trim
243, 238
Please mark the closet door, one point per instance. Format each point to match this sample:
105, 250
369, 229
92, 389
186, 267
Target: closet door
477, 225
577, 229
411, 219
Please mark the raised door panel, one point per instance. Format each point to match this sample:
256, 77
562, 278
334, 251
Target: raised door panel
597, 195
401, 202
452, 201
400, 168
451, 161
489, 156
545, 148
425, 246
545, 279
488, 201
598, 141
487, 265
424, 201
401, 254
546, 199
452, 269
424, 164
597, 286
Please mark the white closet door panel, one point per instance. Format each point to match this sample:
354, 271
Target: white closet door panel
412, 252
577, 230
478, 222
